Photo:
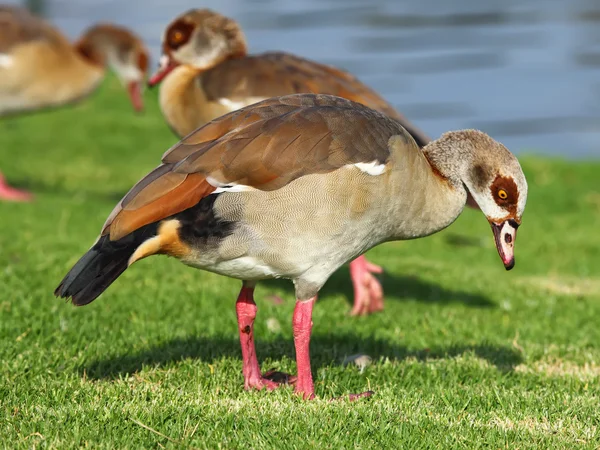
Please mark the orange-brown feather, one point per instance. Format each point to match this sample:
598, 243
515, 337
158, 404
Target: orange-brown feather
171, 243
183, 196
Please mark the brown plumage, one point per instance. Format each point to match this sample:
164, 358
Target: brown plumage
222, 77
276, 74
282, 139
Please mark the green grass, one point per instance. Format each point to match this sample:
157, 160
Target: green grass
466, 355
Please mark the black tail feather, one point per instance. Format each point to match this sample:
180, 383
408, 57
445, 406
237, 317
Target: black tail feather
100, 266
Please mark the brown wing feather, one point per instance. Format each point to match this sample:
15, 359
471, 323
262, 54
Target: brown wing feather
277, 74
265, 145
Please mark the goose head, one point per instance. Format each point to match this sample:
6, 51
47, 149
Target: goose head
199, 38
493, 179
123, 52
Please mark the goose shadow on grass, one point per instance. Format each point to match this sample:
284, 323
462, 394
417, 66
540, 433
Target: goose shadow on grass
396, 288
326, 350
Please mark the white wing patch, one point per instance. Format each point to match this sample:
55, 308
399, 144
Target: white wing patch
372, 168
6, 60
227, 187
232, 188
235, 105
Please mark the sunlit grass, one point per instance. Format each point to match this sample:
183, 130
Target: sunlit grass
465, 355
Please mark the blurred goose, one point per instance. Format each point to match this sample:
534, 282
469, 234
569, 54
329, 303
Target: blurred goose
206, 72
40, 68
294, 187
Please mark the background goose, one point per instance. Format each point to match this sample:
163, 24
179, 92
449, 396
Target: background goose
294, 187
40, 68
206, 72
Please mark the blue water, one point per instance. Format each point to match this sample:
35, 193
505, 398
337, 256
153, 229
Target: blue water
525, 71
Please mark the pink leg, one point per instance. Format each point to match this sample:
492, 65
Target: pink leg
368, 293
302, 326
246, 313
12, 194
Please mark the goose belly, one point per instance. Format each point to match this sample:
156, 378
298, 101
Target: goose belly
308, 225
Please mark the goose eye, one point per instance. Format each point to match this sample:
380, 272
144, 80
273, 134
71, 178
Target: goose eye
178, 34
177, 37
502, 194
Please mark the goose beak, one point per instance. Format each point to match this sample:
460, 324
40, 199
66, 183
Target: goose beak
135, 95
505, 234
165, 67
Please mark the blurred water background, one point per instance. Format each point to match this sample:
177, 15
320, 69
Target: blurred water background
525, 71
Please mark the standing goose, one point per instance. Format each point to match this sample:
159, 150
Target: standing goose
294, 187
40, 68
206, 72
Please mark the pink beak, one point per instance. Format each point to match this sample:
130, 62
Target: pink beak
162, 72
135, 95
505, 235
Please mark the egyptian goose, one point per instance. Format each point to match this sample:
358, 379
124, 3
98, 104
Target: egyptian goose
294, 187
40, 68
206, 72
